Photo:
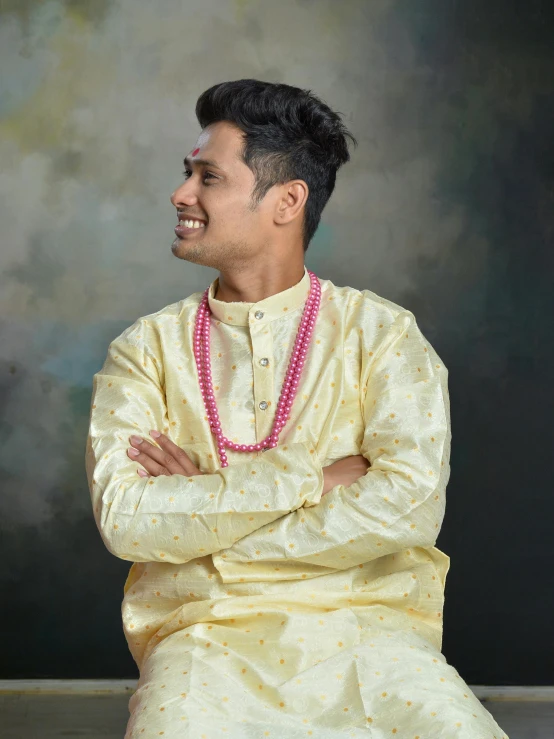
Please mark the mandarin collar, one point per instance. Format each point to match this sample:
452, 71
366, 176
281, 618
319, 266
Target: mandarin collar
273, 307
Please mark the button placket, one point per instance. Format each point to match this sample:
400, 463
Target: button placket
262, 347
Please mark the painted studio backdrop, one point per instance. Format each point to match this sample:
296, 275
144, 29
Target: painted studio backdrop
446, 208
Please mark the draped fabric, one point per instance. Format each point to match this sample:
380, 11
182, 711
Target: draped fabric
254, 606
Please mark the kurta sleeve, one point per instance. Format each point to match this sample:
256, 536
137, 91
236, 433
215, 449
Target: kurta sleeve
399, 502
176, 518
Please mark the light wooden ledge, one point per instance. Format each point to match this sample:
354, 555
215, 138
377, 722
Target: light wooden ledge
68, 687
527, 693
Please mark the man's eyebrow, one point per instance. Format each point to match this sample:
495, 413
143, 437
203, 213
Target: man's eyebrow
207, 162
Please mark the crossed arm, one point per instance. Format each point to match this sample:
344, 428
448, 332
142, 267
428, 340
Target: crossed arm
400, 500
181, 516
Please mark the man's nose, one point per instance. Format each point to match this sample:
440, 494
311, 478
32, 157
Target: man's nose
184, 194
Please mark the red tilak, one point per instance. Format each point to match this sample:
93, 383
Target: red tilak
195, 152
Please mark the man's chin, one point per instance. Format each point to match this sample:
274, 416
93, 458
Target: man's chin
188, 252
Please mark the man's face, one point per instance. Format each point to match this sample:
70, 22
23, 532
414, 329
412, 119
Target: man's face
219, 193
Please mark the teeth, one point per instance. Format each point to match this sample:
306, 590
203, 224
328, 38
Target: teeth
191, 224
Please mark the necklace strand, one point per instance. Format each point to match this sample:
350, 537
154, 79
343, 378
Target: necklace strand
290, 384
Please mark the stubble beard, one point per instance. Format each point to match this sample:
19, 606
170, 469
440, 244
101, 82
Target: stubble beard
223, 257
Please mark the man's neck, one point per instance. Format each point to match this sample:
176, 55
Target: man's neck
251, 289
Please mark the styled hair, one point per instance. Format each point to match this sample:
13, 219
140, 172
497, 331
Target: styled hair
289, 134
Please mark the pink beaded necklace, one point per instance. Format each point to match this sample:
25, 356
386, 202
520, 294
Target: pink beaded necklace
290, 385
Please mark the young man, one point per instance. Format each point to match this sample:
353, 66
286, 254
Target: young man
272, 455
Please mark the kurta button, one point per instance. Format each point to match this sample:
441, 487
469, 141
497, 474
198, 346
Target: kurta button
263, 405
258, 314
264, 362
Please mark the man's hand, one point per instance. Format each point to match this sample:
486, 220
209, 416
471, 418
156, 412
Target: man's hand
344, 472
169, 460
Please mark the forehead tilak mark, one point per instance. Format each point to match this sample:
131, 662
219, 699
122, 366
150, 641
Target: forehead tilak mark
195, 152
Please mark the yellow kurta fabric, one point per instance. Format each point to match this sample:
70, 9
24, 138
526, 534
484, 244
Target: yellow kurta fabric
254, 606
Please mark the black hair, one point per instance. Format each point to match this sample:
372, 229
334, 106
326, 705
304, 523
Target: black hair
289, 134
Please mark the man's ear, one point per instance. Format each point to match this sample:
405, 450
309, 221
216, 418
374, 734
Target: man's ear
293, 198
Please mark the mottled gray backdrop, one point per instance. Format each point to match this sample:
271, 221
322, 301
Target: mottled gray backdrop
446, 208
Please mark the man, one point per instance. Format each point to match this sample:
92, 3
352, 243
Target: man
290, 588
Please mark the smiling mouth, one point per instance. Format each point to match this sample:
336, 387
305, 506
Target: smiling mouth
189, 226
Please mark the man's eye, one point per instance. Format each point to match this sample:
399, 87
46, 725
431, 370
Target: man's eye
187, 173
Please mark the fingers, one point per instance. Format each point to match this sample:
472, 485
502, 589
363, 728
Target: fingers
176, 453
154, 460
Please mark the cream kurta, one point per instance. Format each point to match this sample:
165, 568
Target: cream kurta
254, 607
